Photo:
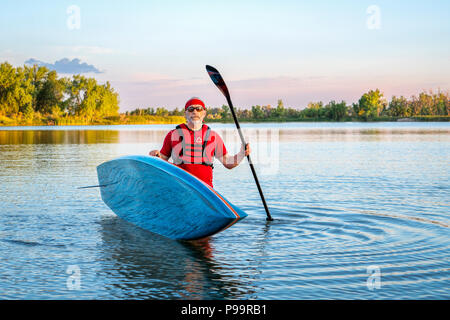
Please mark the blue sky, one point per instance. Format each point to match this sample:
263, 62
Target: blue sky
154, 52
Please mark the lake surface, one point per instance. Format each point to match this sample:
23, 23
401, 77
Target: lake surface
362, 211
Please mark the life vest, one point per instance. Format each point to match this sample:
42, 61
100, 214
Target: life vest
201, 152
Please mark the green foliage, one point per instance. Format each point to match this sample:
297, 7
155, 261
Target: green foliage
50, 94
280, 111
398, 107
177, 112
257, 112
162, 112
337, 111
370, 105
27, 91
225, 113
15, 90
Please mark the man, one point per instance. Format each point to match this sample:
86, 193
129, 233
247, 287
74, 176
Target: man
194, 145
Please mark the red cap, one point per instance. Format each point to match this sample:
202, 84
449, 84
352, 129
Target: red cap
193, 101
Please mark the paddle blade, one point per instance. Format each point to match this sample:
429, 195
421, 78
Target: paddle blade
218, 80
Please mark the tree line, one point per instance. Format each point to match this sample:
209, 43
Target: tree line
31, 92
371, 106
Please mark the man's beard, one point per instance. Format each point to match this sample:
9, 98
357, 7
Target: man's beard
196, 122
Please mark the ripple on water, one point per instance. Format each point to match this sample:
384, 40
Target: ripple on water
332, 249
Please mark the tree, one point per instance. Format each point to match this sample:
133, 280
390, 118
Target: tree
442, 103
293, 113
50, 94
37, 76
427, 107
177, 112
108, 103
8, 104
162, 112
15, 90
312, 111
88, 104
337, 111
371, 104
398, 107
267, 110
257, 112
28, 112
225, 112
280, 111
244, 114
74, 91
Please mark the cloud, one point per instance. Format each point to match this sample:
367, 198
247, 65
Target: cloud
66, 65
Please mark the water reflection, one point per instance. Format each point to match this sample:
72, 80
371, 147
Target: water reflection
58, 136
140, 264
156, 135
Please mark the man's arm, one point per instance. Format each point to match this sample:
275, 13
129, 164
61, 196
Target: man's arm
156, 153
230, 162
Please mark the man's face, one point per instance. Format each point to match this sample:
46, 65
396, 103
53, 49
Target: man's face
195, 114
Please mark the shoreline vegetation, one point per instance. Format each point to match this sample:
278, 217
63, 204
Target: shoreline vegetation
36, 96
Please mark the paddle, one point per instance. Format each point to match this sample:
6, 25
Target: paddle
220, 83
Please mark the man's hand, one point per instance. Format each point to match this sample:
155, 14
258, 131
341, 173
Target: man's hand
230, 162
247, 149
155, 153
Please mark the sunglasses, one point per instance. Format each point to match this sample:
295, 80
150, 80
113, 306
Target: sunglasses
191, 109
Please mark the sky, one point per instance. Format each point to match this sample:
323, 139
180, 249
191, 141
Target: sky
154, 52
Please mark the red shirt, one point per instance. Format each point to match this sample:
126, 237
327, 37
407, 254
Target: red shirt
172, 147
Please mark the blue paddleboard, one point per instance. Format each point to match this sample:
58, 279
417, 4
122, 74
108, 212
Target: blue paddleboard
163, 198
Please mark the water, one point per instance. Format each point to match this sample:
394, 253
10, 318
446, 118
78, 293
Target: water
361, 212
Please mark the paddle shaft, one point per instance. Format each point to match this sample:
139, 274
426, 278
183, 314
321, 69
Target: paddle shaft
269, 217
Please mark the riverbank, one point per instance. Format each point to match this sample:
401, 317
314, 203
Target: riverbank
74, 120
348, 119
124, 119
